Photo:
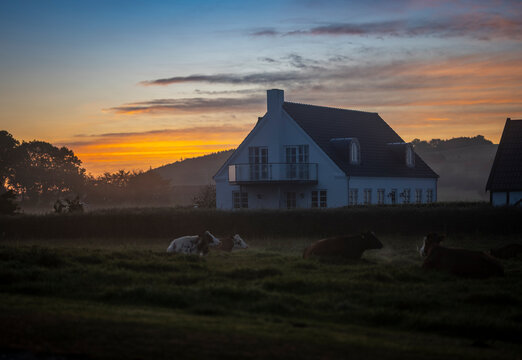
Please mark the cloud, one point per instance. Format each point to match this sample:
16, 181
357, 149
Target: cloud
170, 132
259, 78
187, 105
379, 82
255, 78
483, 26
268, 60
300, 62
413, 94
392, 74
265, 32
230, 92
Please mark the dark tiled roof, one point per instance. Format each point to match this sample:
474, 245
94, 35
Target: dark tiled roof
506, 172
377, 159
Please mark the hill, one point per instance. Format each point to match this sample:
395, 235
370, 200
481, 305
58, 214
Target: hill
463, 165
188, 177
196, 171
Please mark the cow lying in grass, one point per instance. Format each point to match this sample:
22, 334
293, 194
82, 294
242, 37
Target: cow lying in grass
193, 244
507, 252
231, 243
459, 262
347, 247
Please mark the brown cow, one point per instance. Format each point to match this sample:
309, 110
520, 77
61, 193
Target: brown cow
348, 247
459, 262
230, 243
507, 252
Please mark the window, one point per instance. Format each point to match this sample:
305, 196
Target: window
380, 196
393, 196
352, 200
322, 198
406, 194
319, 199
410, 156
418, 196
367, 196
355, 155
258, 160
240, 200
298, 155
290, 200
429, 196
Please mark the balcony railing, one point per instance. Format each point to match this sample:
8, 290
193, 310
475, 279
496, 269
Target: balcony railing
272, 172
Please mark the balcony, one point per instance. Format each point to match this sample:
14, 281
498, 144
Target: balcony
271, 173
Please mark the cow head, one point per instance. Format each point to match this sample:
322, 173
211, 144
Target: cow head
203, 242
430, 241
238, 242
214, 240
371, 241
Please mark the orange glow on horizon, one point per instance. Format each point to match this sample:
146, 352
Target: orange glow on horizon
140, 152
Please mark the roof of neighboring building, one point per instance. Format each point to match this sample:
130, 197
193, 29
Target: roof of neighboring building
506, 172
377, 158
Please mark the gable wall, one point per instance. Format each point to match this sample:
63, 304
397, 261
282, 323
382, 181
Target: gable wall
275, 131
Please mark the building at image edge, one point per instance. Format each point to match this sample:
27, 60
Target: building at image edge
505, 179
307, 156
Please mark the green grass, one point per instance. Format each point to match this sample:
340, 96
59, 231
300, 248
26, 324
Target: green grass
110, 298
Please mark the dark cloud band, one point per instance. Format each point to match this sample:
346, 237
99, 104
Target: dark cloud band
187, 105
478, 26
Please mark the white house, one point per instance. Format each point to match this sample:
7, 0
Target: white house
505, 179
307, 156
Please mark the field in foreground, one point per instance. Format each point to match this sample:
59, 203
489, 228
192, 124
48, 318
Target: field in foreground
128, 299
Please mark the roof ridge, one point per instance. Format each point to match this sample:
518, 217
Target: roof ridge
330, 107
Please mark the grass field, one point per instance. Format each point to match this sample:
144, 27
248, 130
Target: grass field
128, 299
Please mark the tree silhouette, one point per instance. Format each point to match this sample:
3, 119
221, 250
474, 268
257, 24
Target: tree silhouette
43, 171
206, 198
7, 148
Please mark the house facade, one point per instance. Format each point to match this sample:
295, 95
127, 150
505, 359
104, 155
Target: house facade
505, 179
306, 156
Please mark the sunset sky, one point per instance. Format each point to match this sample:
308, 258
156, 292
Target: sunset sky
134, 84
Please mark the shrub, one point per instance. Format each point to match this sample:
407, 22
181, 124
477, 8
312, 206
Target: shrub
8, 206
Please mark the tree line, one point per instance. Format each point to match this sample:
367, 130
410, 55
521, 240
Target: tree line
438, 144
38, 174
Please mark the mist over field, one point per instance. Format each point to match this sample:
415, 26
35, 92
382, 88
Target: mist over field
463, 167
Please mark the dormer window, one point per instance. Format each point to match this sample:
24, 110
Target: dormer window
410, 156
355, 153
348, 149
404, 152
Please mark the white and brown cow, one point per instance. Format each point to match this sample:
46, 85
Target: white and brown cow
231, 243
348, 247
193, 244
459, 262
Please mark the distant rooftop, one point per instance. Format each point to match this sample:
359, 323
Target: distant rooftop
506, 172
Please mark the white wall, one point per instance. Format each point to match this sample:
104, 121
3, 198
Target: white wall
375, 183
